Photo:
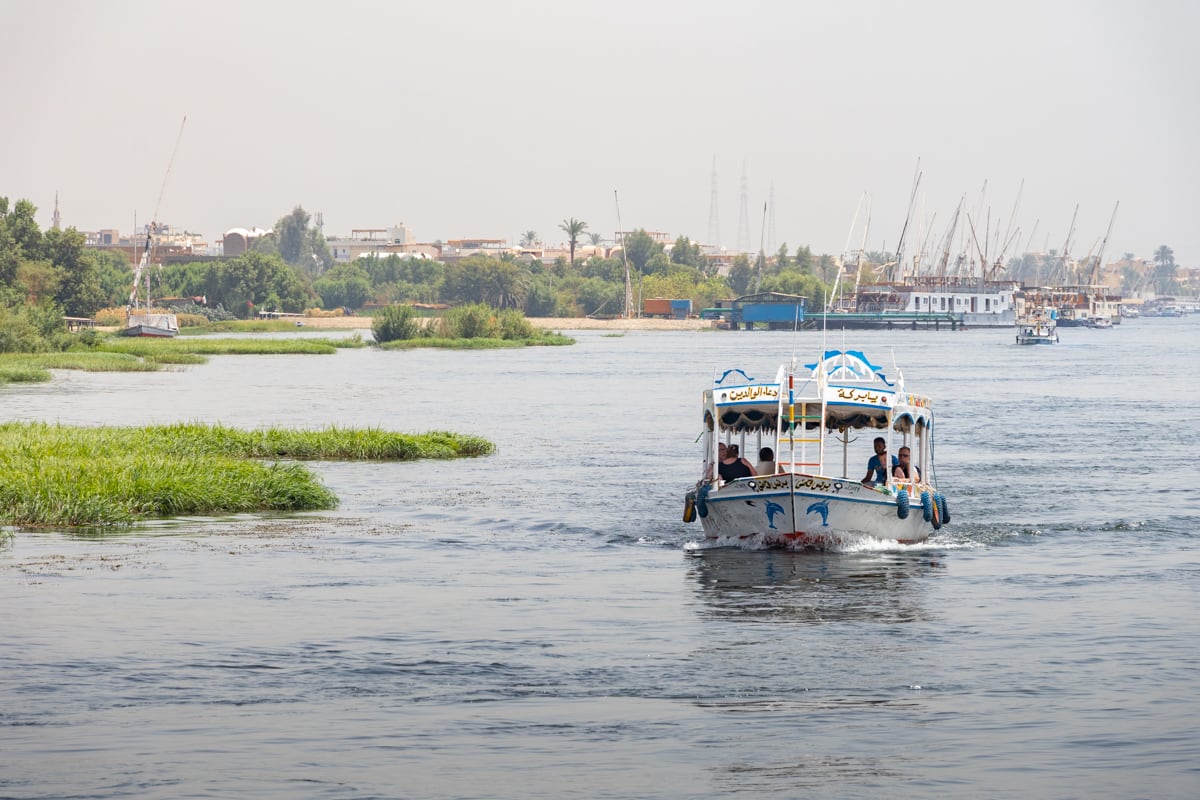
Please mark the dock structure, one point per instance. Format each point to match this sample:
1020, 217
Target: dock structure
769, 310
886, 320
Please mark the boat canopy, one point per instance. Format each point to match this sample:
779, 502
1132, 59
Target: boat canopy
856, 394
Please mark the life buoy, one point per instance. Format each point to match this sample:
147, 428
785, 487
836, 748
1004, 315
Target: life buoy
702, 501
943, 509
902, 504
927, 506
689, 507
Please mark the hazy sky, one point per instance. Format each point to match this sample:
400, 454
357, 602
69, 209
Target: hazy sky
487, 119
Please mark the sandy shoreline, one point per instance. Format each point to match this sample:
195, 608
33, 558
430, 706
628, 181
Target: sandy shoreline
547, 323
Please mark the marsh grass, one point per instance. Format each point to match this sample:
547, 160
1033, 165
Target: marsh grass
17, 373
68, 476
153, 348
85, 360
240, 326
479, 343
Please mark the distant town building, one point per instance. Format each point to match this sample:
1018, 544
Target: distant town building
169, 243
458, 249
378, 241
238, 241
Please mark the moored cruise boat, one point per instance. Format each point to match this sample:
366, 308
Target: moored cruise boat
974, 302
809, 495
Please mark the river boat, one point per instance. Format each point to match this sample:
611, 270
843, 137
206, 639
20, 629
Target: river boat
809, 415
971, 302
1038, 332
140, 319
157, 324
1100, 323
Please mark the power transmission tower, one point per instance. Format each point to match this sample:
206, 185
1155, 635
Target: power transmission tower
714, 222
743, 240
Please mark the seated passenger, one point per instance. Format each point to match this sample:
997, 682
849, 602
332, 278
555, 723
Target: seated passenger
905, 470
732, 465
876, 471
766, 461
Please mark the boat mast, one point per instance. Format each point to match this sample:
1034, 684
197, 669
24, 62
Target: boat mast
152, 228
1062, 275
1095, 278
862, 246
629, 308
900, 244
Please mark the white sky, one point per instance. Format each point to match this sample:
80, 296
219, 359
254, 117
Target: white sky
487, 119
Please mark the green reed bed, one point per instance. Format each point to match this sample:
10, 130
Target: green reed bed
151, 348
85, 360
480, 343
15, 373
241, 326
65, 476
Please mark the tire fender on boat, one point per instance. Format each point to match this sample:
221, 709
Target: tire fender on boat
902, 504
702, 501
927, 506
943, 509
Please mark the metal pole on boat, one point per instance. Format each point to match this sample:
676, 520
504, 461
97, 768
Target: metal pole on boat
792, 419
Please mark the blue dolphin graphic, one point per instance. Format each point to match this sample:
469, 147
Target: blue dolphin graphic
773, 509
822, 508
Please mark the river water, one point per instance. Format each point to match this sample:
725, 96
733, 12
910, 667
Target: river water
541, 624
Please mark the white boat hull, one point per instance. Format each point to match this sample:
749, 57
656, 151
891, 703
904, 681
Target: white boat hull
796, 510
160, 325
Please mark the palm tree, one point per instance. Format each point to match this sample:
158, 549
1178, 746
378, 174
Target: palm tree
1164, 269
528, 238
596, 239
574, 229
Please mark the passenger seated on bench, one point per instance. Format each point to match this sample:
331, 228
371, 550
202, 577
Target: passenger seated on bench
732, 465
905, 470
876, 472
766, 461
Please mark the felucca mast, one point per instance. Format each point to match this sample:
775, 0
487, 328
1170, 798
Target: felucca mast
629, 310
1095, 278
152, 228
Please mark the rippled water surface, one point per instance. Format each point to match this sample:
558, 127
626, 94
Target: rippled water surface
541, 624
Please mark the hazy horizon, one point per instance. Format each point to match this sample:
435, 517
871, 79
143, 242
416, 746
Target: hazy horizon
486, 120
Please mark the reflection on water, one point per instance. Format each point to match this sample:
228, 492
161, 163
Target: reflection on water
811, 587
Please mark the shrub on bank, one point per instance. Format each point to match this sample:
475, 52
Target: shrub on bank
393, 323
474, 321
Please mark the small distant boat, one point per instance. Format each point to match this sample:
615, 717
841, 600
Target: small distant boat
141, 320
808, 415
1037, 331
151, 325
1101, 323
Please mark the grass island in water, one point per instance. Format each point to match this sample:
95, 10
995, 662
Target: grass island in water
69, 476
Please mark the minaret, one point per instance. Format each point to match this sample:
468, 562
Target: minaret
56, 220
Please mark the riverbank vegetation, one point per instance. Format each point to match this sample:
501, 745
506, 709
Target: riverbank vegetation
291, 269
91, 352
471, 327
68, 476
